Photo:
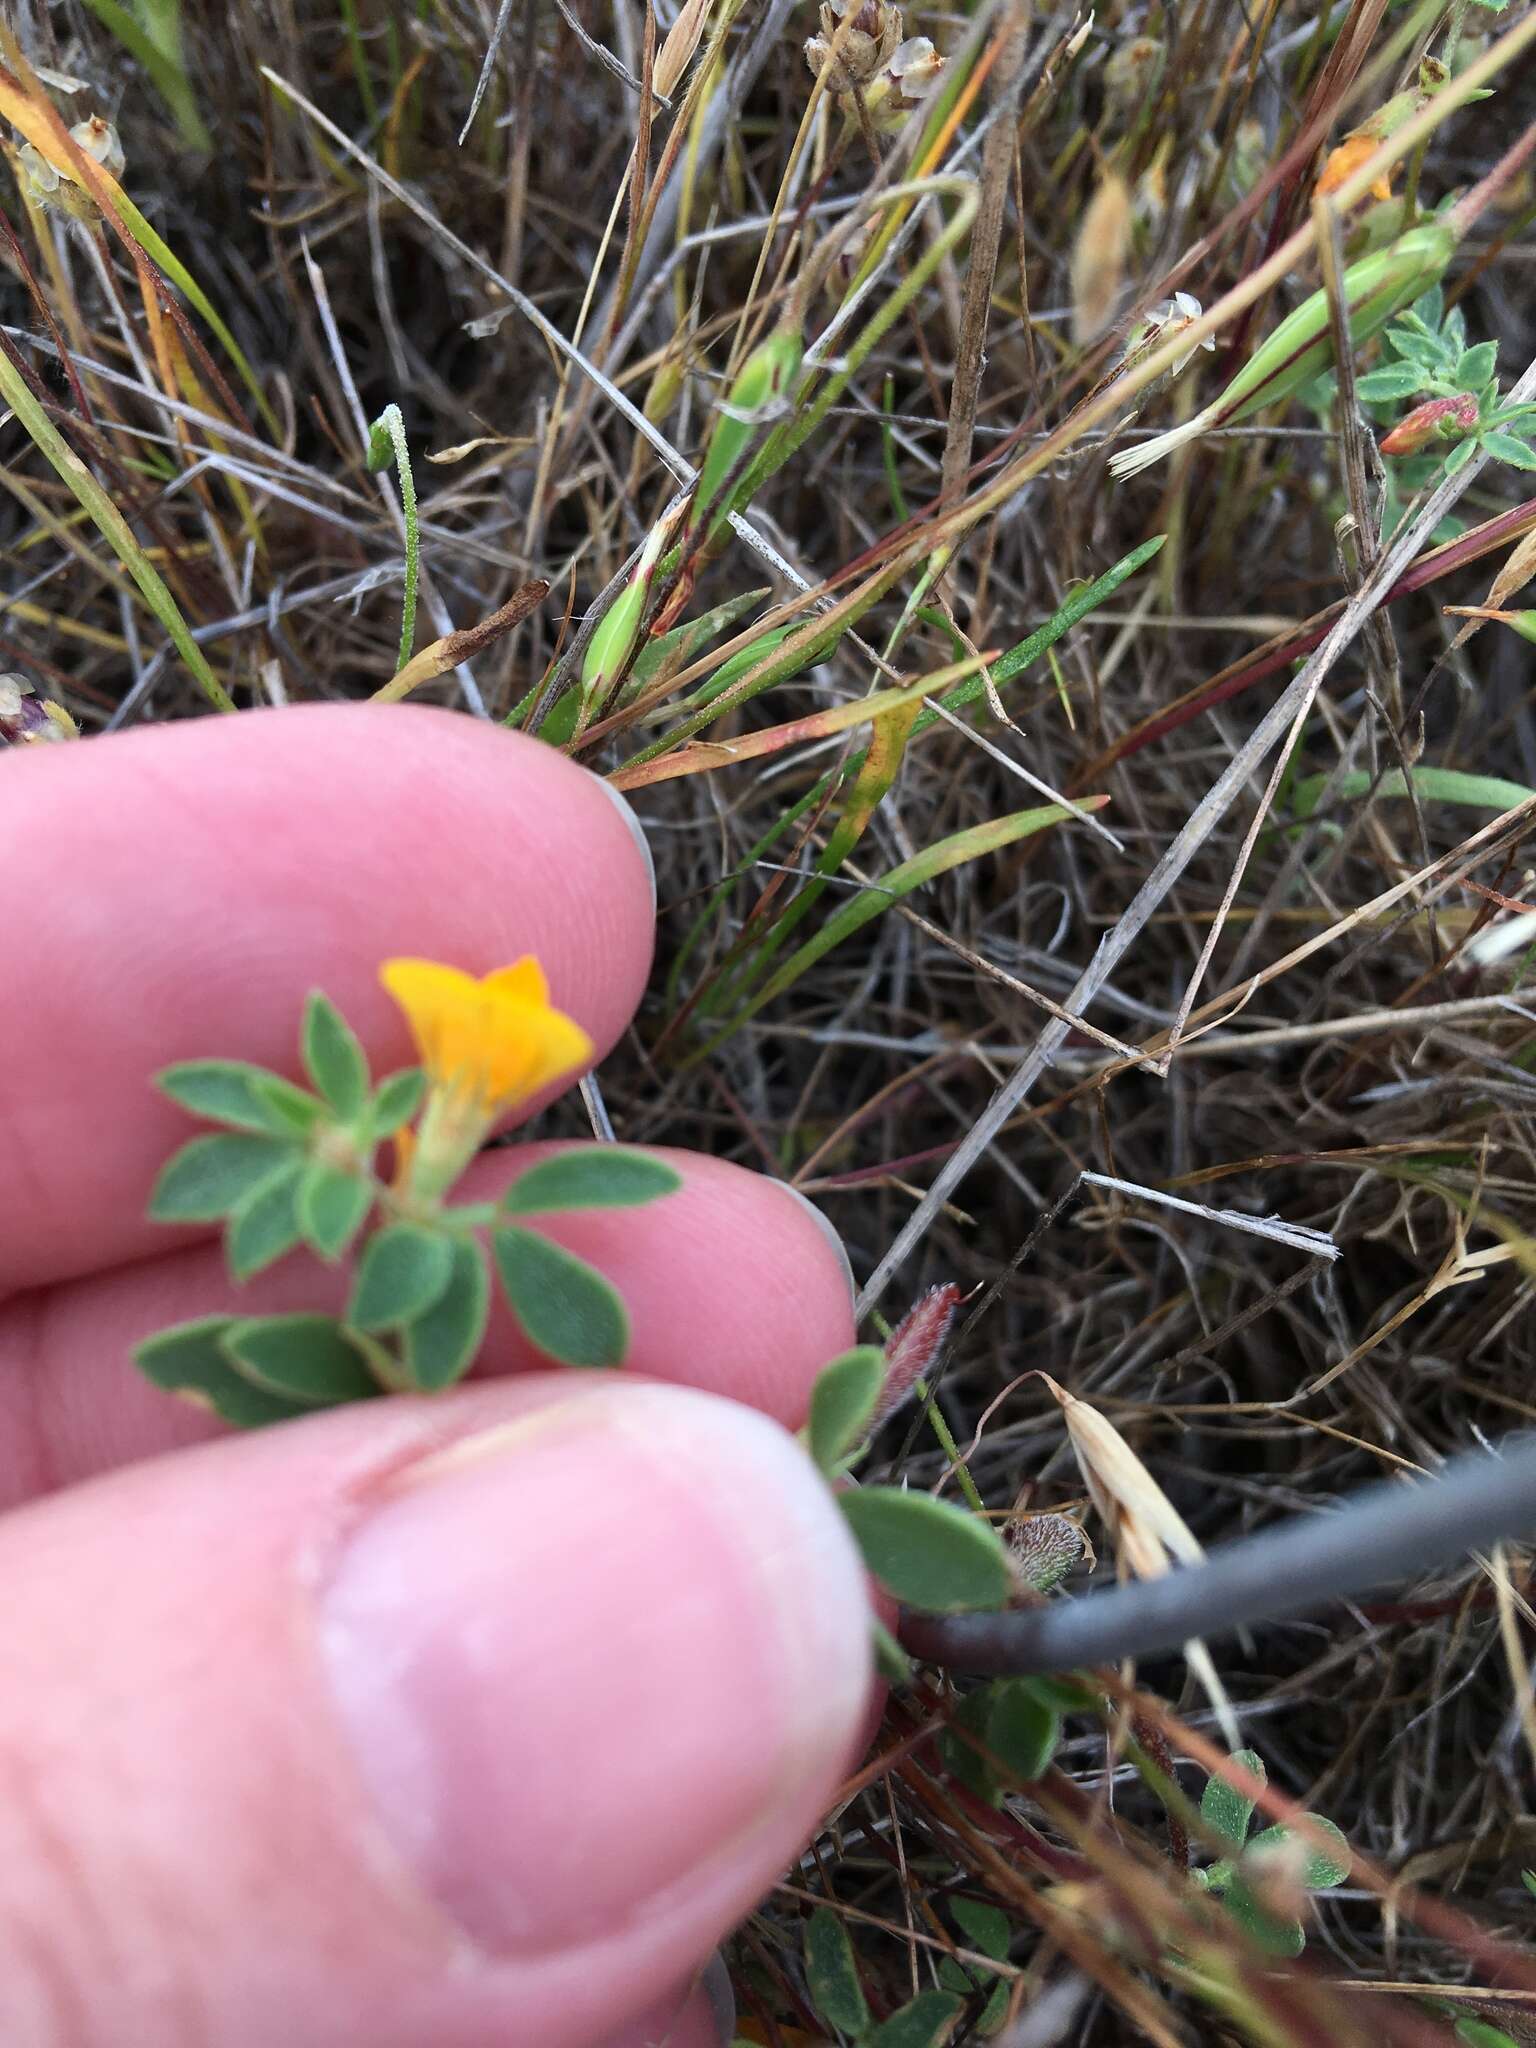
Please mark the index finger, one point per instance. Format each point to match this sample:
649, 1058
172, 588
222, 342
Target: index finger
174, 894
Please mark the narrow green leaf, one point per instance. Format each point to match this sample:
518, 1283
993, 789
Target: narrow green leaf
1509, 448
404, 1269
1324, 1865
899, 881
1478, 2034
1528, 1879
1434, 785
233, 1092
333, 1058
929, 1554
396, 1101
189, 1361
1460, 456
1476, 365
1395, 380
927, 2021
266, 1224
439, 1347
845, 1396
1225, 1810
332, 1204
300, 1357
212, 1176
983, 1926
1022, 1729
565, 1306
293, 1108
590, 1177
833, 1974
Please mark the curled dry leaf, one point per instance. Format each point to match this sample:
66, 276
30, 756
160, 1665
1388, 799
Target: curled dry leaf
1148, 1529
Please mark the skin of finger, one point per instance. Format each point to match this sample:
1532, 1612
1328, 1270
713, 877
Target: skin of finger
730, 1286
189, 1851
219, 869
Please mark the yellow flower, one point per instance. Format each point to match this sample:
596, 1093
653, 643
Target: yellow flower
487, 1046
497, 1041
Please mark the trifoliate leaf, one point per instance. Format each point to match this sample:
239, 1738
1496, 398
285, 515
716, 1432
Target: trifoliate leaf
404, 1269
591, 1177
266, 1224
439, 1347
212, 1176
396, 1101
567, 1309
236, 1093
331, 1206
1225, 1810
333, 1057
929, 1554
833, 1974
300, 1357
845, 1396
189, 1360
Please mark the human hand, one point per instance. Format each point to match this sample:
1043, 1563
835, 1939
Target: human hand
475, 1719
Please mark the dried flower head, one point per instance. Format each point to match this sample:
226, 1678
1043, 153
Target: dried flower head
1133, 73
857, 38
27, 719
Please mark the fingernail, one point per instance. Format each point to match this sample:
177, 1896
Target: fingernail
636, 830
829, 1231
611, 1650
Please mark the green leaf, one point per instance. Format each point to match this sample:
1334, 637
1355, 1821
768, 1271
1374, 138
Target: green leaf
1460, 456
1528, 1879
590, 1177
833, 1974
926, 2022
1395, 380
1225, 1810
845, 1396
404, 1269
333, 1058
1023, 1729
1478, 2034
331, 1206
440, 1346
300, 1357
266, 1224
1325, 1866
1476, 365
212, 1176
188, 1360
1509, 448
235, 1092
962, 1759
1268, 1931
929, 1554
1427, 352
983, 1926
1434, 785
396, 1101
565, 1306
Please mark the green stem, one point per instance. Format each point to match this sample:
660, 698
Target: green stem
947, 1443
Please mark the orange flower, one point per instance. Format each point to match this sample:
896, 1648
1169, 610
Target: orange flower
1344, 161
487, 1046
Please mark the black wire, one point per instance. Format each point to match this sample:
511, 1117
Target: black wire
1385, 1534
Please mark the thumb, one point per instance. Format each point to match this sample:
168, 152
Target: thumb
472, 1721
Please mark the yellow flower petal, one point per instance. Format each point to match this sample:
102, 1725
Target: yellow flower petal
524, 979
494, 1042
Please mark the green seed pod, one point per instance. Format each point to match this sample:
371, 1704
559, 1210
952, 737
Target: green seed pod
763, 379
614, 641
1301, 347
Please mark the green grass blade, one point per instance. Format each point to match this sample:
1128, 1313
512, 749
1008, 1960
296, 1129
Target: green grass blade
95, 501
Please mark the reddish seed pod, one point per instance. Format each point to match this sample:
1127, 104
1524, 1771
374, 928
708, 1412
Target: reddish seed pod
1437, 419
914, 1347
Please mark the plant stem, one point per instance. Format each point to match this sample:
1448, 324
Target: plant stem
386, 438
